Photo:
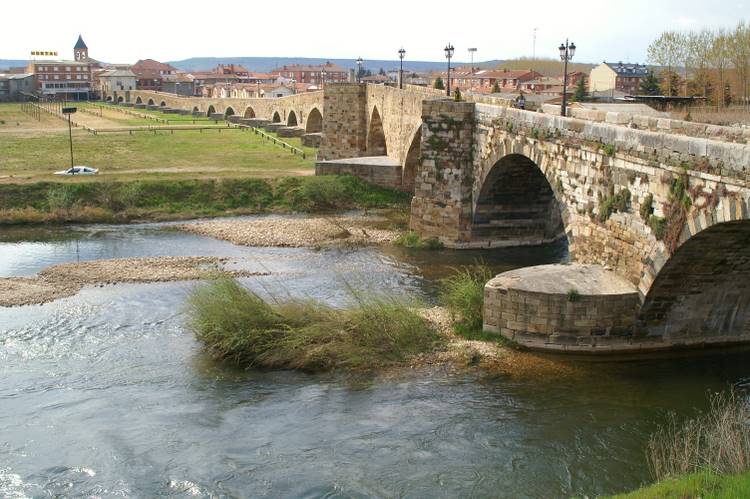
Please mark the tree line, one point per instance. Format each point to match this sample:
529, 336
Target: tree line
714, 64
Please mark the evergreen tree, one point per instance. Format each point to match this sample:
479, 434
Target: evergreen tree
439, 84
650, 85
580, 93
495, 88
381, 72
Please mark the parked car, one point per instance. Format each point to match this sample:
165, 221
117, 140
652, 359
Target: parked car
79, 170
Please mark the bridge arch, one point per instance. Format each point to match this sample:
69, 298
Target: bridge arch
229, 111
120, 99
291, 119
314, 122
138, 100
701, 292
249, 112
411, 161
162, 104
516, 205
276, 117
150, 102
109, 98
211, 110
196, 110
376, 145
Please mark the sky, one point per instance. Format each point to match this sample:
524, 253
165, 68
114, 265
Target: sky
124, 32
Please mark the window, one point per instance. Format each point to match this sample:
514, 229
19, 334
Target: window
67, 68
54, 68
57, 77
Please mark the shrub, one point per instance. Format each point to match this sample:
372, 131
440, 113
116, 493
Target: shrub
573, 295
236, 325
716, 441
647, 207
463, 295
614, 202
60, 197
411, 239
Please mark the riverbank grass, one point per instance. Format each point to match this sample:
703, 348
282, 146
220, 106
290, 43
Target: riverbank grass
463, 294
236, 325
694, 486
51, 202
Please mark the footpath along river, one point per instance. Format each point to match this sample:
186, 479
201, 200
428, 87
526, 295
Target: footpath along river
106, 394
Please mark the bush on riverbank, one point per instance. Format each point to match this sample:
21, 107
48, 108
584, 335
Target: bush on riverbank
412, 240
96, 201
463, 295
717, 441
236, 325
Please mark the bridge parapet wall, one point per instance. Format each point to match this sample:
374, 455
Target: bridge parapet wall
657, 149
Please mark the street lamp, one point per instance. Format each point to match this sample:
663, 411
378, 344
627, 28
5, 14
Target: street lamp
323, 75
69, 111
359, 69
448, 54
567, 51
401, 53
472, 50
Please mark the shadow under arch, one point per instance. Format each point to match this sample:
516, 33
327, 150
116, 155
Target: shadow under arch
517, 206
314, 122
376, 145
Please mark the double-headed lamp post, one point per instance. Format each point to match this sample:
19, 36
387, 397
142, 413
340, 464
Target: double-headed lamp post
401, 54
448, 54
359, 69
567, 51
323, 75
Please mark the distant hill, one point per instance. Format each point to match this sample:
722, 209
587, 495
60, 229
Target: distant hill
266, 64
12, 63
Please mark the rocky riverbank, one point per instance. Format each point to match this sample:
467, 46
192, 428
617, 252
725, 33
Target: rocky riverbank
60, 281
307, 232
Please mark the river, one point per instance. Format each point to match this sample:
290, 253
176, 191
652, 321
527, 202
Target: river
105, 394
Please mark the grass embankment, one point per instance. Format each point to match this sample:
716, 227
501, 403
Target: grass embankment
179, 199
32, 150
706, 456
413, 240
236, 325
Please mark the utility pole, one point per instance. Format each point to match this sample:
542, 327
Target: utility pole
533, 45
472, 50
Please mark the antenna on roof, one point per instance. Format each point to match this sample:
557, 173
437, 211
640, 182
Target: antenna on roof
533, 45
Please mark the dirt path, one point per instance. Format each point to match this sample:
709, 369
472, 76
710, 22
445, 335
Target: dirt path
67, 279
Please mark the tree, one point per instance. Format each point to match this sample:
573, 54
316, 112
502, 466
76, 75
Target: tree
699, 48
719, 57
667, 51
738, 48
495, 88
439, 83
381, 72
670, 82
580, 92
650, 85
457, 95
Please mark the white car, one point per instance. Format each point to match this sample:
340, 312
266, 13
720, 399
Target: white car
79, 170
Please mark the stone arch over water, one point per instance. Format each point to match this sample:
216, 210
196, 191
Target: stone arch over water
211, 110
314, 121
411, 161
229, 111
276, 117
150, 102
516, 205
376, 145
138, 100
249, 112
291, 120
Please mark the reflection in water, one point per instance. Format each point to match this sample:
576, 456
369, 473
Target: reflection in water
106, 394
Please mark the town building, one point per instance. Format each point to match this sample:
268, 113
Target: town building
150, 74
111, 82
16, 87
62, 79
179, 83
484, 80
620, 77
324, 73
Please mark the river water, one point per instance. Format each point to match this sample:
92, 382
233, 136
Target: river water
105, 393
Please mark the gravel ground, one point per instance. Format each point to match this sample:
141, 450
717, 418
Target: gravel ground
59, 281
293, 232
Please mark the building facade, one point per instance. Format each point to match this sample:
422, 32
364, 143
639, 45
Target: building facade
150, 74
61, 79
317, 75
111, 81
620, 77
15, 87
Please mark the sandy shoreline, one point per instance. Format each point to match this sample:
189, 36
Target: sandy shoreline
295, 232
67, 279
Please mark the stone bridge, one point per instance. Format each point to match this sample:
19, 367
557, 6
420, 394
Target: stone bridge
303, 110
656, 216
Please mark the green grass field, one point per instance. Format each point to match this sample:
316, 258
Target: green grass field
33, 149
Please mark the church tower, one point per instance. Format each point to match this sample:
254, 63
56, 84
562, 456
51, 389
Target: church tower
80, 51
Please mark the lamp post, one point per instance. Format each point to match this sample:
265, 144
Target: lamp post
401, 54
359, 69
567, 51
448, 54
323, 75
69, 111
472, 50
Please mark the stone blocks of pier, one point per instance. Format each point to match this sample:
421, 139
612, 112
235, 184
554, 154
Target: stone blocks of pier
254, 122
234, 118
216, 116
290, 131
569, 307
376, 170
311, 139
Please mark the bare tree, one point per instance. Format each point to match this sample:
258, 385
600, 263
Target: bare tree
719, 57
665, 51
738, 47
699, 45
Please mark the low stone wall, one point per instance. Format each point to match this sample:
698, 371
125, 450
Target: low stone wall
376, 171
290, 131
565, 307
311, 139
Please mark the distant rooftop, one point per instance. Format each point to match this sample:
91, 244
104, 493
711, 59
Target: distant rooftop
628, 69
